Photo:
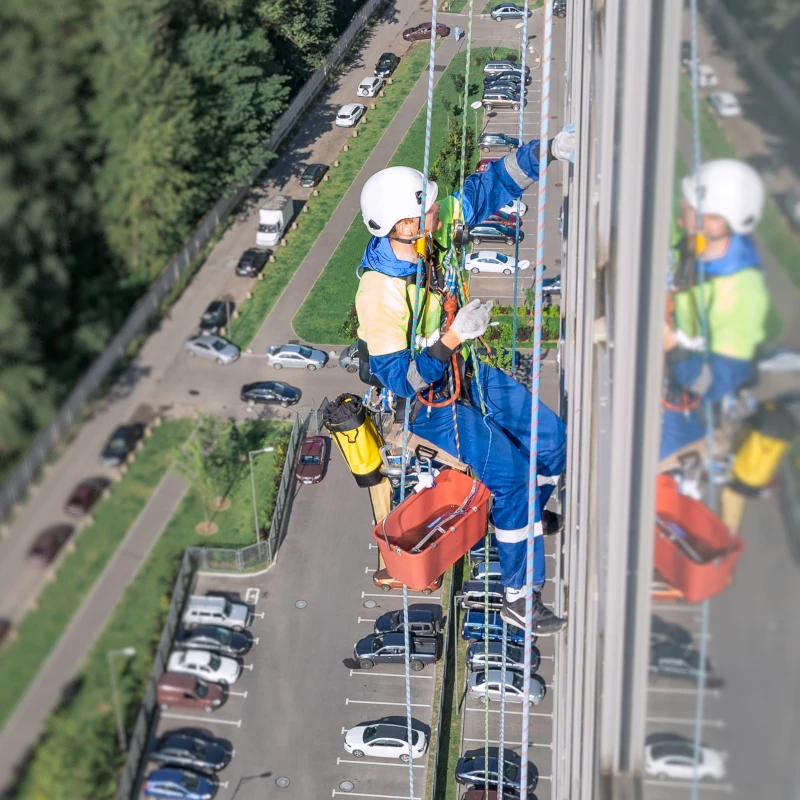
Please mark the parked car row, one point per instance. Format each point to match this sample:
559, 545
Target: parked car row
205, 661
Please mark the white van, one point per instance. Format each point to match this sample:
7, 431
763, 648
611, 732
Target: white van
215, 611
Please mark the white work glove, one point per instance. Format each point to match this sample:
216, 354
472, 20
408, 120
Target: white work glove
563, 144
472, 320
690, 343
422, 341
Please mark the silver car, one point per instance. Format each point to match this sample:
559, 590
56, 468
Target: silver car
212, 347
486, 686
296, 356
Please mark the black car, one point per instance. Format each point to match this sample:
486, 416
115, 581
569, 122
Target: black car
473, 594
477, 552
509, 76
498, 141
312, 175
683, 663
216, 638
216, 316
120, 444
421, 622
252, 262
560, 8
386, 65
663, 632
686, 53
267, 392
349, 359
492, 232
189, 749
473, 770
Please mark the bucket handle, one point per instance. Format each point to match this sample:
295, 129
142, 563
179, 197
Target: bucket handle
462, 509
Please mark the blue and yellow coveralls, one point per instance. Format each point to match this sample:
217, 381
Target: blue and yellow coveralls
736, 302
496, 445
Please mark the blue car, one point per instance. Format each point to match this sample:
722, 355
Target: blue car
180, 783
475, 629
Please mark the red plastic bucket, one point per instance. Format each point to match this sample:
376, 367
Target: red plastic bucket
427, 533
700, 562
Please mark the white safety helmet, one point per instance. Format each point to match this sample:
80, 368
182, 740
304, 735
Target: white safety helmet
393, 194
731, 189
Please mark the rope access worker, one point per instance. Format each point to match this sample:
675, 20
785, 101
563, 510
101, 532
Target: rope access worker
733, 298
495, 444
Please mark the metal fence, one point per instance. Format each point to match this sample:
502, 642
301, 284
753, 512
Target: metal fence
245, 559
148, 305
129, 782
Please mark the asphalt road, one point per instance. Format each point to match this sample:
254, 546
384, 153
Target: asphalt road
288, 716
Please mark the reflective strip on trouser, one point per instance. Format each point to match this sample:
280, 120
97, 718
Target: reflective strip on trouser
512, 552
496, 447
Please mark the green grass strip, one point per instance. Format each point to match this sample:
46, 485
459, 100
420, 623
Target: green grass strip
774, 230
80, 756
276, 276
322, 316
41, 628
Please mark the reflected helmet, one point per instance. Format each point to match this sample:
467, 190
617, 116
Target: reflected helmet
731, 189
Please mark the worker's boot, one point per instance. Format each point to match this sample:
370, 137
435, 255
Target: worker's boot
552, 523
545, 622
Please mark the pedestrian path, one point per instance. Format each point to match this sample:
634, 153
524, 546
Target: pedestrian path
44, 694
278, 325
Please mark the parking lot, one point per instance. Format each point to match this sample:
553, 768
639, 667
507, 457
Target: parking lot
299, 693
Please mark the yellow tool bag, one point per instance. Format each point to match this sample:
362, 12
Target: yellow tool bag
357, 438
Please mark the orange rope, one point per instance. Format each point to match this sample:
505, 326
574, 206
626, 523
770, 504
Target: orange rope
450, 305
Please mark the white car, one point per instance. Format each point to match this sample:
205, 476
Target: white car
515, 207
350, 114
370, 86
486, 686
725, 104
212, 347
384, 741
205, 664
673, 756
706, 76
491, 261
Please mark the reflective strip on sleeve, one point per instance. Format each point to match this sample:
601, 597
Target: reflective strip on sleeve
418, 383
515, 171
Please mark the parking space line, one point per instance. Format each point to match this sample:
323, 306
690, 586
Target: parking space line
382, 796
369, 569
672, 607
259, 614
222, 785
388, 674
251, 595
207, 718
378, 763
710, 723
256, 640
390, 596
366, 619
690, 692
347, 702
711, 787
548, 745
482, 710
373, 546
237, 694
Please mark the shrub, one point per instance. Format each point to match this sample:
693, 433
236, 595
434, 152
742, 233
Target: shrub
350, 325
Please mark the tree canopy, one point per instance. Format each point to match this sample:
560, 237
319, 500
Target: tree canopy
121, 123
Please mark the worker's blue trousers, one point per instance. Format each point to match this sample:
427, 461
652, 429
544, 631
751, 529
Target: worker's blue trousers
497, 447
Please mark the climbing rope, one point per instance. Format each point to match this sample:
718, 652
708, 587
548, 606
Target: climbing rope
533, 477
697, 158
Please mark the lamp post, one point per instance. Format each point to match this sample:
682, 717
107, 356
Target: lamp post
475, 106
531, 48
128, 652
253, 482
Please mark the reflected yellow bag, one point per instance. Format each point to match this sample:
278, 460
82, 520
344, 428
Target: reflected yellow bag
357, 438
771, 429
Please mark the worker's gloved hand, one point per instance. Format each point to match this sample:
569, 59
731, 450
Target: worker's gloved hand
563, 144
472, 320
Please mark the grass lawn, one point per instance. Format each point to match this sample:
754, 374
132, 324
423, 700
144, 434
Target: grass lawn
774, 231
322, 315
96, 543
253, 312
137, 622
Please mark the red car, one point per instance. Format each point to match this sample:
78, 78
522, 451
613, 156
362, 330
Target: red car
49, 542
84, 496
422, 32
483, 164
311, 464
509, 220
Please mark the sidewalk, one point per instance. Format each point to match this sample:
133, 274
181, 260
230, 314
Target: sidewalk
44, 693
278, 326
